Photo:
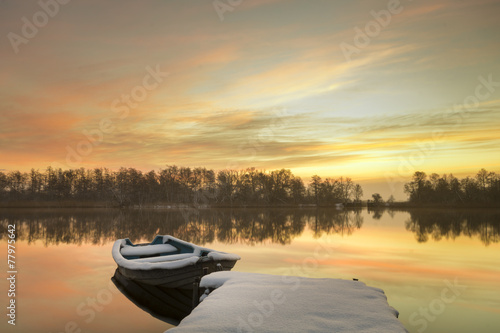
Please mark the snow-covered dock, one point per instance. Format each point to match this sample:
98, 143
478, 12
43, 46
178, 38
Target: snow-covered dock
248, 302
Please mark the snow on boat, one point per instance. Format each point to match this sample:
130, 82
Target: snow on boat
169, 262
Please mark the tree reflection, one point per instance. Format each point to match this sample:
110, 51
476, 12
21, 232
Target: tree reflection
343, 222
201, 226
247, 226
451, 224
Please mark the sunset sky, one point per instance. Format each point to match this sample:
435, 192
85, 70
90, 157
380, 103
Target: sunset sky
318, 87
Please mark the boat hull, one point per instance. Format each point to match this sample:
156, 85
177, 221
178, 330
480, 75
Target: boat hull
180, 278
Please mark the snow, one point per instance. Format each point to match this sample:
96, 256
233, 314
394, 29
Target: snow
249, 302
135, 264
147, 250
223, 256
166, 258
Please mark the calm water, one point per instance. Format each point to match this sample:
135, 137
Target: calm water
64, 262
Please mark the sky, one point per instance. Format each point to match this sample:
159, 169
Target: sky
372, 90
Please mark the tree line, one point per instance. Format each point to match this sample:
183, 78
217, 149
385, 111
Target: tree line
482, 189
176, 185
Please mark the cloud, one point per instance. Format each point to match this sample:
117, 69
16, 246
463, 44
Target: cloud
227, 78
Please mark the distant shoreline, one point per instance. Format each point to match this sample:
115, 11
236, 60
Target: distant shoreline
94, 204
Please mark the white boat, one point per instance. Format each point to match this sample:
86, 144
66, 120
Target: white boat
169, 262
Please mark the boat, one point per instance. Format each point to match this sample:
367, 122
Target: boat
169, 262
167, 304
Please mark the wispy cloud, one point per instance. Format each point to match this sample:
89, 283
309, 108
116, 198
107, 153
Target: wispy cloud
227, 78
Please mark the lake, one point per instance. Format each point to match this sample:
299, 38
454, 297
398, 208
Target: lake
439, 268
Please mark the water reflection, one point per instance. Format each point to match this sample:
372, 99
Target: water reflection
247, 226
166, 304
202, 226
438, 224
